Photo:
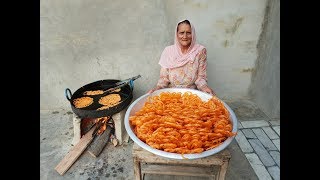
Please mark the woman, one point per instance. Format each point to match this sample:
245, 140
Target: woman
184, 63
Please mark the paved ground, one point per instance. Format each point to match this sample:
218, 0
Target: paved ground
258, 138
255, 151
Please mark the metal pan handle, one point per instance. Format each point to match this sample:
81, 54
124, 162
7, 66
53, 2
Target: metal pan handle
131, 84
68, 94
127, 80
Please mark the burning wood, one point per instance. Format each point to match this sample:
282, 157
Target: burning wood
103, 128
88, 123
101, 134
103, 121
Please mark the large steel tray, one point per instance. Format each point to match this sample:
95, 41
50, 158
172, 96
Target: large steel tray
138, 104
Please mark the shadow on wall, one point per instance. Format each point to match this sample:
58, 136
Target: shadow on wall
265, 82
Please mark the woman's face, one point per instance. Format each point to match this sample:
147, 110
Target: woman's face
184, 35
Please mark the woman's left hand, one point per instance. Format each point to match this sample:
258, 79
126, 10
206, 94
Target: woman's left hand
208, 90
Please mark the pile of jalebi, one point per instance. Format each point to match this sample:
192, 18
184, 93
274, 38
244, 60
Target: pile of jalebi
182, 123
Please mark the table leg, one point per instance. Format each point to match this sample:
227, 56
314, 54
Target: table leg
223, 170
137, 168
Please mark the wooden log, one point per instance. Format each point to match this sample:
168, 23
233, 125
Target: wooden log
74, 153
100, 142
87, 124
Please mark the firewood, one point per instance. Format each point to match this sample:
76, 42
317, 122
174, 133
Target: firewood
100, 142
74, 153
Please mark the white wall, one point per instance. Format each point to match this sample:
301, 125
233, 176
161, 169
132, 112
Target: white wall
265, 86
85, 41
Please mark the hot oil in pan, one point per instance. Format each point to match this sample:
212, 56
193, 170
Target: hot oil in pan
126, 96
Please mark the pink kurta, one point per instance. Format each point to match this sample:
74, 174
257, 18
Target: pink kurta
191, 75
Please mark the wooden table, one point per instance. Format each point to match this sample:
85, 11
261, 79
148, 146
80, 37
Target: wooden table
214, 166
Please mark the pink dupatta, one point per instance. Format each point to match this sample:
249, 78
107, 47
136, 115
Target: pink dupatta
172, 56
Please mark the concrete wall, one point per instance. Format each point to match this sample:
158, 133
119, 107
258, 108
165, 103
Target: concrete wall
265, 87
85, 41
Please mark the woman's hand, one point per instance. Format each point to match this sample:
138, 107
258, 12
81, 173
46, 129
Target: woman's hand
207, 89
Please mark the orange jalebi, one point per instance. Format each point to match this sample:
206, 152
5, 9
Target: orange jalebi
182, 123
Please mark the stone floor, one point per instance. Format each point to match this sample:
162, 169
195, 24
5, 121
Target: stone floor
258, 138
255, 151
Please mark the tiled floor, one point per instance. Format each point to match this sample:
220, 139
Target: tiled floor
259, 140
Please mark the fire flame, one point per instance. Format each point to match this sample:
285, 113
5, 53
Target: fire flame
103, 127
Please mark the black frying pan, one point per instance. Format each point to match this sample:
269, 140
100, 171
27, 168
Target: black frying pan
91, 111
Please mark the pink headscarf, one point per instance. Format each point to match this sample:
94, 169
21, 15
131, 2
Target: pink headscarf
172, 56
